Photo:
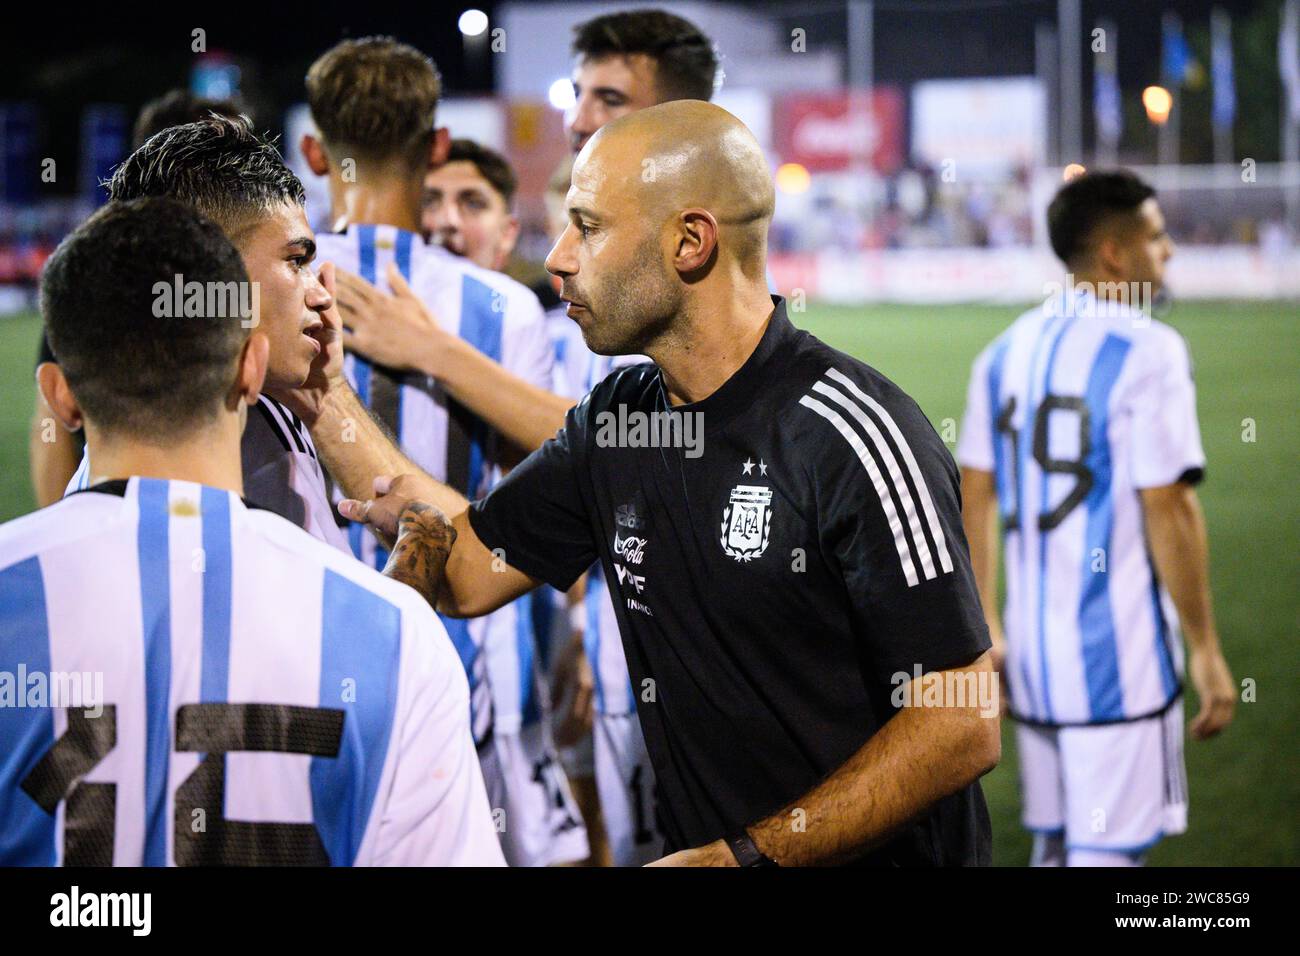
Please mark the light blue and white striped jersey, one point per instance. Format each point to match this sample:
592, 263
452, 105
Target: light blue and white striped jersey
503, 320
577, 371
1075, 408
281, 471
252, 695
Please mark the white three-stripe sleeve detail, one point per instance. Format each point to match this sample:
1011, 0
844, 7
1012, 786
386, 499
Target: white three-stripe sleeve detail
922, 490
895, 474
877, 480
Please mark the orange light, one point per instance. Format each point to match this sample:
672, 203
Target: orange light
792, 178
1158, 102
1073, 171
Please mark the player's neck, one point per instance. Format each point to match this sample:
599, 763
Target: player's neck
1103, 288
713, 337
379, 202
208, 456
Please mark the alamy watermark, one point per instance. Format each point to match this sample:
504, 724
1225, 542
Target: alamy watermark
62, 689
1109, 297
207, 300
638, 429
947, 689
133, 911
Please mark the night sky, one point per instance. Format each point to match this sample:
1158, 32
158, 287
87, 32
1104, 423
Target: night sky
95, 53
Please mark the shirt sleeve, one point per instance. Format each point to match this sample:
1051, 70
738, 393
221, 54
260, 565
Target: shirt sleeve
436, 811
1165, 436
975, 446
536, 516
889, 513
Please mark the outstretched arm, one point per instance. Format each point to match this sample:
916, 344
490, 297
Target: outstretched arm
475, 581
399, 331
359, 451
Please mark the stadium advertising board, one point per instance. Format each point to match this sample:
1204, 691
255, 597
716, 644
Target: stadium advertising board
829, 132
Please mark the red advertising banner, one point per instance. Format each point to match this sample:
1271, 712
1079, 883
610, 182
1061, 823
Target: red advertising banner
828, 132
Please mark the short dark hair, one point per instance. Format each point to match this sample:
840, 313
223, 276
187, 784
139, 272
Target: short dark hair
375, 99
218, 165
490, 164
685, 60
1085, 202
176, 108
132, 370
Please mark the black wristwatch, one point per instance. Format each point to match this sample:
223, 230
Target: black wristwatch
746, 854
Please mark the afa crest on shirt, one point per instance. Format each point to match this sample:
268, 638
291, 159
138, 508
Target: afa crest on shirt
747, 522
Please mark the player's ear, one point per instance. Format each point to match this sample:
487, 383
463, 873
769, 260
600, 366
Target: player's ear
439, 147
1109, 256
509, 238
253, 359
696, 240
313, 151
58, 396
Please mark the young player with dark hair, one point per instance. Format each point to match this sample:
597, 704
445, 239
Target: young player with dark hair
221, 167
629, 60
468, 205
1081, 451
222, 729
53, 452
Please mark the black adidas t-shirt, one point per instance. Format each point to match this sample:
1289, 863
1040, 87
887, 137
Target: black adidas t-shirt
769, 581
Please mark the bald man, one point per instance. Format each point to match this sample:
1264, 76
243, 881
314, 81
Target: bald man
779, 523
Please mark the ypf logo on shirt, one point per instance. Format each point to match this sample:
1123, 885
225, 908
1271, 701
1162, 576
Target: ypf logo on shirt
631, 548
747, 522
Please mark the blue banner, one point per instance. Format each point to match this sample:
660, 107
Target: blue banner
1176, 59
105, 142
1224, 107
19, 167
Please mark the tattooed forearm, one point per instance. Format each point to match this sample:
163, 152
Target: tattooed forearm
424, 541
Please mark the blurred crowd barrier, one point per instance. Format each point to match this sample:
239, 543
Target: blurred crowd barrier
1017, 275
912, 235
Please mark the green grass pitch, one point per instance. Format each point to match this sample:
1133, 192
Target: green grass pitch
1245, 786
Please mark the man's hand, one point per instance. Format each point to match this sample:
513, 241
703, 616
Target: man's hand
383, 513
395, 330
476, 581
327, 368
716, 853
1216, 689
921, 755
419, 557
400, 332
